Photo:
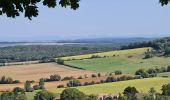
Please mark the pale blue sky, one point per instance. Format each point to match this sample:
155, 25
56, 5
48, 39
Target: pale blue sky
94, 19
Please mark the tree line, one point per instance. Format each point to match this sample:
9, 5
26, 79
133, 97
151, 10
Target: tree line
48, 52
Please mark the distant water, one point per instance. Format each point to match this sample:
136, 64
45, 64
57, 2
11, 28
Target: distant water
25, 44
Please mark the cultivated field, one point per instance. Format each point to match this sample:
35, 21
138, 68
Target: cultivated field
109, 54
142, 85
127, 62
37, 71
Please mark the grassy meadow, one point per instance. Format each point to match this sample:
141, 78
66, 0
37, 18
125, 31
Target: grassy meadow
142, 85
128, 61
109, 54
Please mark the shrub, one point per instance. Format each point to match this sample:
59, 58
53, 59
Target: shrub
18, 89
67, 78
60, 61
151, 71
168, 69
73, 83
99, 75
166, 90
55, 77
80, 77
118, 72
60, 86
93, 75
36, 87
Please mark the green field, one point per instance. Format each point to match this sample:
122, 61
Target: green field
109, 54
127, 62
164, 74
142, 85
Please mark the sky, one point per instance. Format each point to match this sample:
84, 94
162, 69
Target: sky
93, 19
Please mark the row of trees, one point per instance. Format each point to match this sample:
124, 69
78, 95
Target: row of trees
152, 71
8, 80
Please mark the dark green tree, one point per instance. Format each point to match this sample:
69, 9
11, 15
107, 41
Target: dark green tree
166, 90
14, 8
72, 94
130, 92
27, 86
41, 83
44, 95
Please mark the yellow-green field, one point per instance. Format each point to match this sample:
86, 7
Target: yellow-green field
142, 85
109, 54
128, 61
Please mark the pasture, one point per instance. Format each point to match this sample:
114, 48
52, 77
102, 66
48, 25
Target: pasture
142, 85
127, 62
109, 54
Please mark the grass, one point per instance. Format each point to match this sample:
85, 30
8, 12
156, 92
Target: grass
164, 74
127, 62
109, 54
142, 85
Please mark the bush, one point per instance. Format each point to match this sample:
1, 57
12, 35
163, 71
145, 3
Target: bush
111, 79
73, 83
118, 72
36, 87
99, 75
168, 69
130, 91
18, 89
44, 95
151, 71
93, 75
72, 94
60, 61
142, 73
67, 78
53, 78
80, 77
166, 90
60, 86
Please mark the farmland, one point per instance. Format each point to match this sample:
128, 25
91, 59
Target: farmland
143, 86
109, 54
37, 71
128, 61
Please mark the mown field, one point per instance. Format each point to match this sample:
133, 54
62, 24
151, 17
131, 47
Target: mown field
128, 61
142, 85
37, 71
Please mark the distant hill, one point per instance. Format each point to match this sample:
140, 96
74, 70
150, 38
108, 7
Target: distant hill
110, 40
115, 41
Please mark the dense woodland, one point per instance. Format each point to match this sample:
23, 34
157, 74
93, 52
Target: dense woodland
43, 52
161, 46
